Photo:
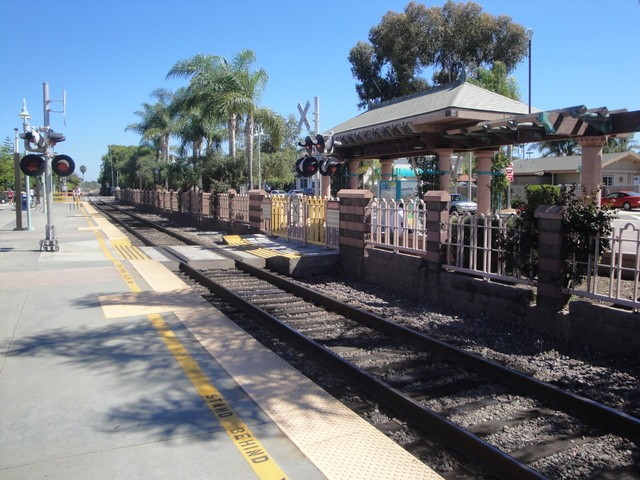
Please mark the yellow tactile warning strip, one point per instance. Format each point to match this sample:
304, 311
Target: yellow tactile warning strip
111, 231
264, 466
128, 251
239, 243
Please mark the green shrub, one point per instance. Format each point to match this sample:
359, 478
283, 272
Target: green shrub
582, 221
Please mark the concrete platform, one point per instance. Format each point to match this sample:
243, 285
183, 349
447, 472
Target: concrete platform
288, 258
111, 368
201, 257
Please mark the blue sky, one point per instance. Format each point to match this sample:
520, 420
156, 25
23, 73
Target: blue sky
109, 56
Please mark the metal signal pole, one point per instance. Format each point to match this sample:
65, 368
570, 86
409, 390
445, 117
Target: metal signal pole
50, 243
316, 125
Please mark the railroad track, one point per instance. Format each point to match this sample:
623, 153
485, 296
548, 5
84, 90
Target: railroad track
475, 406
143, 230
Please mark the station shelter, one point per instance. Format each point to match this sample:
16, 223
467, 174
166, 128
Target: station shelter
462, 117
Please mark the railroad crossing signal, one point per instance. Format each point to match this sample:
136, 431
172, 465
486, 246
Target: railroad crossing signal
63, 165
318, 156
32, 165
329, 167
307, 166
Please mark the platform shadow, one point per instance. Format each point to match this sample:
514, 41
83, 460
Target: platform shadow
158, 399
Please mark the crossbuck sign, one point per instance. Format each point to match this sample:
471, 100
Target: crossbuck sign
303, 115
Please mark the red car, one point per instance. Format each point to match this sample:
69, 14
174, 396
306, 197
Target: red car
624, 199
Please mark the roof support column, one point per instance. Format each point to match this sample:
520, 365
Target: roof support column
483, 159
353, 174
592, 166
386, 169
325, 186
444, 166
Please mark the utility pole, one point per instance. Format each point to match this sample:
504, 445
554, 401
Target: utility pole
24, 114
16, 183
316, 124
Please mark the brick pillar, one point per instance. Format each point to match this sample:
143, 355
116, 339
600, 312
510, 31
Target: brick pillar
437, 219
551, 259
483, 181
592, 166
355, 229
255, 209
195, 202
444, 166
206, 204
232, 213
353, 174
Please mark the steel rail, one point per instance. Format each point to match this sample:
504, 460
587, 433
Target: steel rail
176, 235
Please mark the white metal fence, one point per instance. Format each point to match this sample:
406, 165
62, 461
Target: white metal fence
614, 277
399, 226
476, 247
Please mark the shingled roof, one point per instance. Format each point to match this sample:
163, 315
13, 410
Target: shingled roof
459, 95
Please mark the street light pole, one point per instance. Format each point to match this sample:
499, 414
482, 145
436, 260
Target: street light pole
529, 35
111, 161
24, 114
16, 184
259, 134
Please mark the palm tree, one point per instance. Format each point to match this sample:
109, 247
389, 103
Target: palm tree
558, 148
83, 170
231, 90
156, 125
206, 74
241, 94
195, 130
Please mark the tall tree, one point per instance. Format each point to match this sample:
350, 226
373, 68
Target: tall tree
7, 176
207, 78
156, 125
233, 90
199, 134
448, 40
241, 94
615, 145
558, 148
497, 80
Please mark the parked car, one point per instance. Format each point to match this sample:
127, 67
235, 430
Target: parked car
277, 192
461, 204
296, 192
623, 199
